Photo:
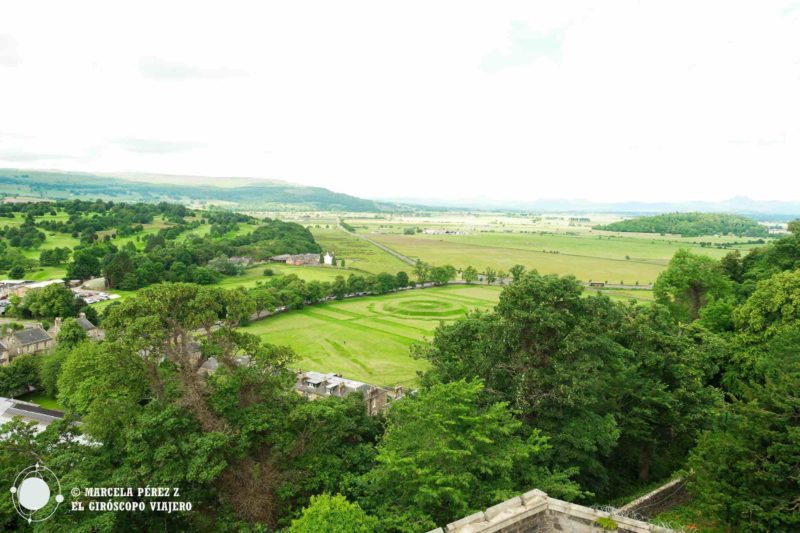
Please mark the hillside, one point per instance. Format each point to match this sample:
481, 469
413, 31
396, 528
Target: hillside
245, 193
690, 225
137, 244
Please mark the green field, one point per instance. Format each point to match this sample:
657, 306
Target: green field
42, 400
255, 274
369, 338
611, 258
357, 253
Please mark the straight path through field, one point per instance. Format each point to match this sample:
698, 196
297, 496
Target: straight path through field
404, 258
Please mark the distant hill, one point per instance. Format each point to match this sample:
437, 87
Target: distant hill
691, 225
241, 193
762, 210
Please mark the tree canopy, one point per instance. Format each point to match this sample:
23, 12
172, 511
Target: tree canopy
690, 225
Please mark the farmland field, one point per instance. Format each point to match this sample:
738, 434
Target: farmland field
552, 244
368, 339
612, 258
356, 252
253, 275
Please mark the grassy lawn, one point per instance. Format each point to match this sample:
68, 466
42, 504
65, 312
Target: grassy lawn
252, 277
45, 273
368, 339
42, 400
255, 274
200, 231
358, 253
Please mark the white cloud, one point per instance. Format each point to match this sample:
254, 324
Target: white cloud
160, 69
611, 101
155, 146
525, 47
9, 57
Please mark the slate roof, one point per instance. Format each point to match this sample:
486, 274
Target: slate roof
85, 324
10, 408
31, 336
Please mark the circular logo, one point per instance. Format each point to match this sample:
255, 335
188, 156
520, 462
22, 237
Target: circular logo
32, 493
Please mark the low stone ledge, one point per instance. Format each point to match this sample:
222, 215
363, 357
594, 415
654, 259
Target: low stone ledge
535, 512
534, 495
477, 517
495, 510
665, 497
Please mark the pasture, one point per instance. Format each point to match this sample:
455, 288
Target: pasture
587, 256
253, 275
357, 253
369, 338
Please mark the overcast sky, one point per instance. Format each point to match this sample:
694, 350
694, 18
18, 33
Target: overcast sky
609, 100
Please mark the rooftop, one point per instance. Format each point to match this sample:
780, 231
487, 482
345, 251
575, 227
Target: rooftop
84, 323
330, 384
10, 408
41, 284
31, 336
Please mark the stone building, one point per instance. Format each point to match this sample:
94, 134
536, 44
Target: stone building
315, 385
5, 355
535, 512
92, 331
296, 259
27, 341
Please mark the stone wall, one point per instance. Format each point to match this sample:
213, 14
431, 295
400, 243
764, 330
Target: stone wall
661, 499
535, 512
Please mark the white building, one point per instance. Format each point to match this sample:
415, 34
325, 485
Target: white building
328, 259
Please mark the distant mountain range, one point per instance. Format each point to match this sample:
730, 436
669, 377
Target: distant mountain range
770, 210
261, 194
241, 193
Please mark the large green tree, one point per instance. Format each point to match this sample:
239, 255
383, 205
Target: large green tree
689, 282
746, 471
52, 301
469, 274
422, 271
84, 265
441, 275
70, 334
664, 396
774, 304
617, 389
333, 514
445, 455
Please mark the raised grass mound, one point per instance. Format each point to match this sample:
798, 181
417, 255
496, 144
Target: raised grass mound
413, 307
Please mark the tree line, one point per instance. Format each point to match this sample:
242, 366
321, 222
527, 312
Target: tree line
690, 225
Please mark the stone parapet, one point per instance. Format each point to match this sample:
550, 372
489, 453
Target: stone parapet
535, 512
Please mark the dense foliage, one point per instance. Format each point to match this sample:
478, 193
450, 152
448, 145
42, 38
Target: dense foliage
690, 225
167, 254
